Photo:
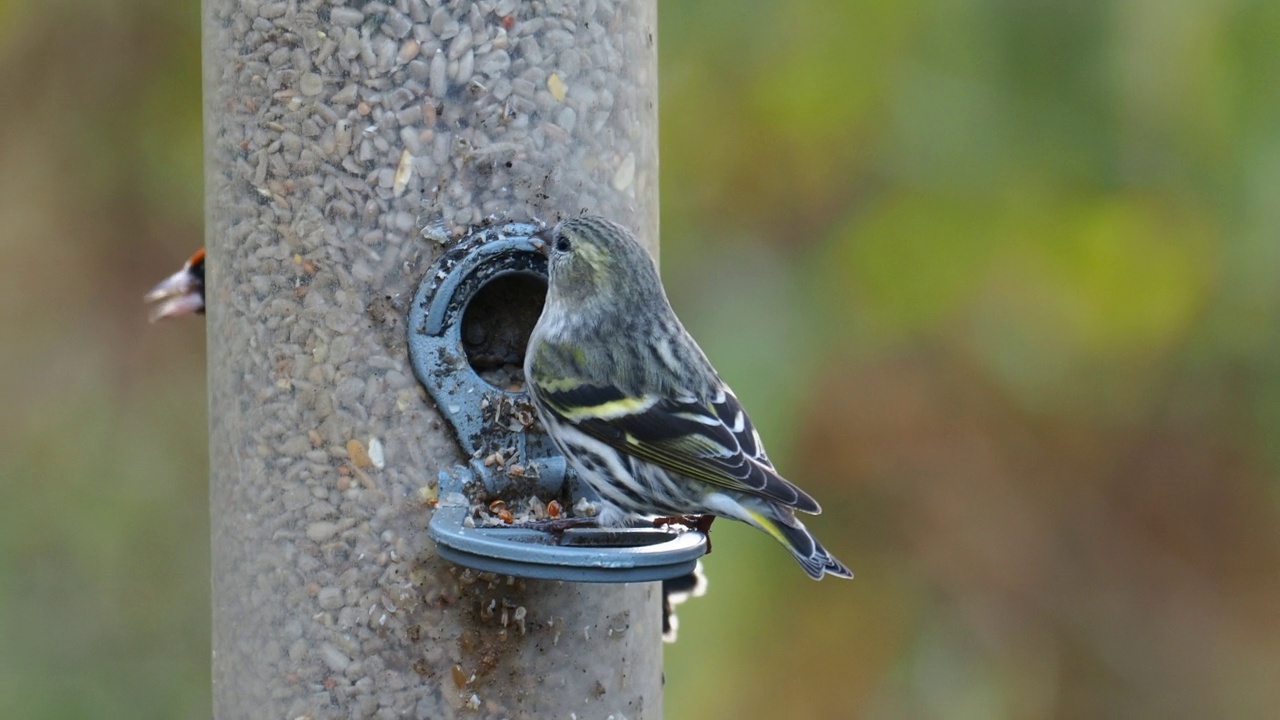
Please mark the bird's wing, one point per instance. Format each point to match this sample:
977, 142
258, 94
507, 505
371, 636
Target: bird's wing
714, 442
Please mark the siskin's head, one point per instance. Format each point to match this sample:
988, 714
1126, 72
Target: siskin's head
593, 261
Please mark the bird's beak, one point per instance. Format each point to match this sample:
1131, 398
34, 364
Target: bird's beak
179, 283
179, 294
178, 306
541, 241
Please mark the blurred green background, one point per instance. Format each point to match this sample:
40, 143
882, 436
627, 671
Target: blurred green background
996, 278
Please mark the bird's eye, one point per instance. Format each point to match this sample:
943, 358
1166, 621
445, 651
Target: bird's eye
562, 243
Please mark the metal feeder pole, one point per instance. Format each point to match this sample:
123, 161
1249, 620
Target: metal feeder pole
345, 146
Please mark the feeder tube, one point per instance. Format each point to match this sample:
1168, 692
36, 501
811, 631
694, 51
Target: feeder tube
345, 145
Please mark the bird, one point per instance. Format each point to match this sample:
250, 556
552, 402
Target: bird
635, 406
182, 293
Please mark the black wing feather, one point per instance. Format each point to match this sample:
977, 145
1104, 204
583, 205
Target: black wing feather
715, 442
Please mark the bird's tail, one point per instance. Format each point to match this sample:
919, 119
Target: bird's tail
782, 524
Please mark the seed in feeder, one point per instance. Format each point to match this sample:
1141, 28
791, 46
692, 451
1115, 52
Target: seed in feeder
553, 509
408, 50
310, 84
403, 172
585, 508
429, 495
359, 456
557, 87
626, 173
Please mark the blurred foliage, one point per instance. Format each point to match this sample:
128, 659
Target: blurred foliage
997, 280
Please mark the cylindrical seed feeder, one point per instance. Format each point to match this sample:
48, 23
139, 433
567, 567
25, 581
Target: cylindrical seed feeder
347, 147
